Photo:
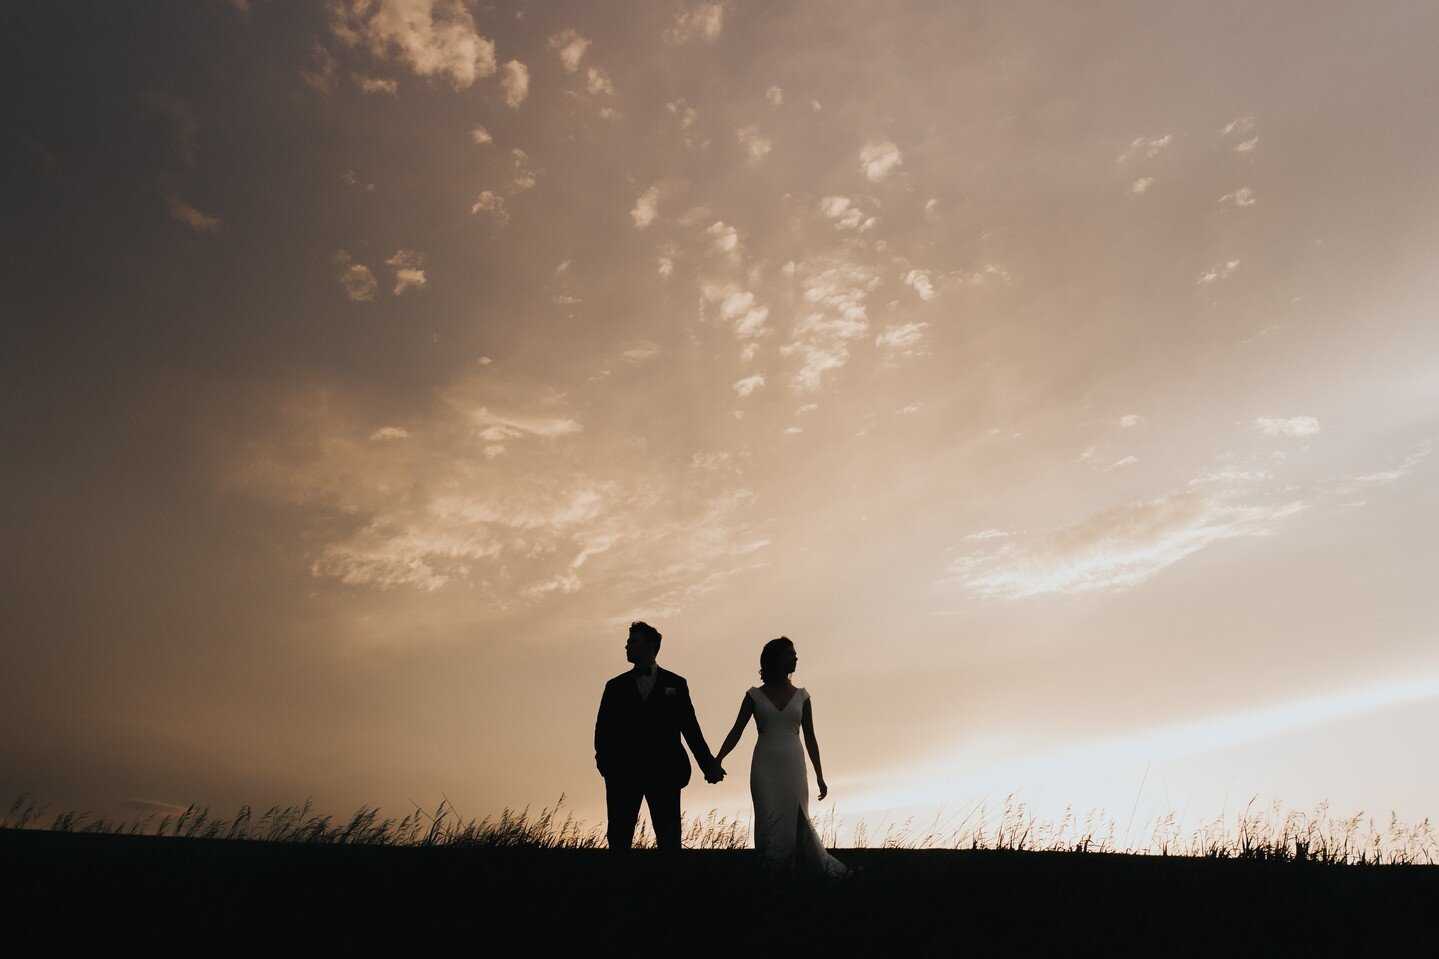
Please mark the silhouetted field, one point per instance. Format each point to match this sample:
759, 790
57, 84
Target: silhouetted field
540, 885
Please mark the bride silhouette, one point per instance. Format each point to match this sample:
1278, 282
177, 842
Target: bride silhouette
778, 782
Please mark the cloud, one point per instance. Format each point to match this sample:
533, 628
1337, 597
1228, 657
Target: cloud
704, 20
1290, 426
845, 214
878, 158
1241, 125
1114, 548
571, 47
355, 278
756, 146
1147, 147
493, 204
1218, 271
1141, 185
688, 117
1247, 146
749, 384
192, 217
906, 339
406, 265
641, 353
736, 307
524, 177
774, 95
435, 38
390, 433
481, 136
835, 288
359, 282
1130, 420
598, 82
499, 494
1240, 197
376, 85
515, 82
724, 239
351, 178
919, 281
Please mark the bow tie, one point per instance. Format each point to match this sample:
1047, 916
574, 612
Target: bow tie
644, 670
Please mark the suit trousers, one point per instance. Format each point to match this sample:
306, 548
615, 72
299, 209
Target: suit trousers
622, 800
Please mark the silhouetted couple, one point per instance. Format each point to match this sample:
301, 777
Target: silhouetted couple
645, 711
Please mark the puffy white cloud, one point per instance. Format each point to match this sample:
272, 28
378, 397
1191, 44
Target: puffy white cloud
355, 278
703, 20
493, 204
1141, 185
524, 177
736, 307
919, 281
481, 136
647, 205
756, 146
598, 82
1286, 426
749, 384
774, 95
724, 238
435, 38
390, 433
571, 47
408, 275
878, 158
845, 214
515, 82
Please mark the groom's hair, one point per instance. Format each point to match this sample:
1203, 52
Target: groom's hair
646, 632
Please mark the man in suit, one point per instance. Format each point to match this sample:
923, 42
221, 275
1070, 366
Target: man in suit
643, 713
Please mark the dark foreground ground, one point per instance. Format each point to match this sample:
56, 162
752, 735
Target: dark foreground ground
235, 897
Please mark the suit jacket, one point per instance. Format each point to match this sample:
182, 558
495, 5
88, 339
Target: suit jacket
639, 739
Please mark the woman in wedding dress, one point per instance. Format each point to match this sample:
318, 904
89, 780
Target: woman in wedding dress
777, 779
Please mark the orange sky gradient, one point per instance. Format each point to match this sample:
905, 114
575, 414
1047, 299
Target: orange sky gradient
1063, 380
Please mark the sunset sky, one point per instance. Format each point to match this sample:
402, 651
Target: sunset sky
1063, 379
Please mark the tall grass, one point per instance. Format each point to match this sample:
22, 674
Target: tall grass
1271, 834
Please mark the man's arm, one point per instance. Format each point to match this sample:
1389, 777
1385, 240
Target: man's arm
603, 728
690, 726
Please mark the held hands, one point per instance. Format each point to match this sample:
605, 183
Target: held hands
714, 773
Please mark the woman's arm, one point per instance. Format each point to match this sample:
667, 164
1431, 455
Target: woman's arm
812, 745
746, 710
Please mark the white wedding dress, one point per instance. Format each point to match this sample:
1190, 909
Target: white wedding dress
779, 785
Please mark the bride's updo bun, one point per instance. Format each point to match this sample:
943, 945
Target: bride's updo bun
773, 663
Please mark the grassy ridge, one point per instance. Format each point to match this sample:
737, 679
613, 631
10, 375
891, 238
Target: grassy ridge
286, 882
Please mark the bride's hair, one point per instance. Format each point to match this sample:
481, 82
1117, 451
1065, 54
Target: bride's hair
772, 663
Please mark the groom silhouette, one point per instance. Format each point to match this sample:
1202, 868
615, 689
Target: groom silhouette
643, 713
